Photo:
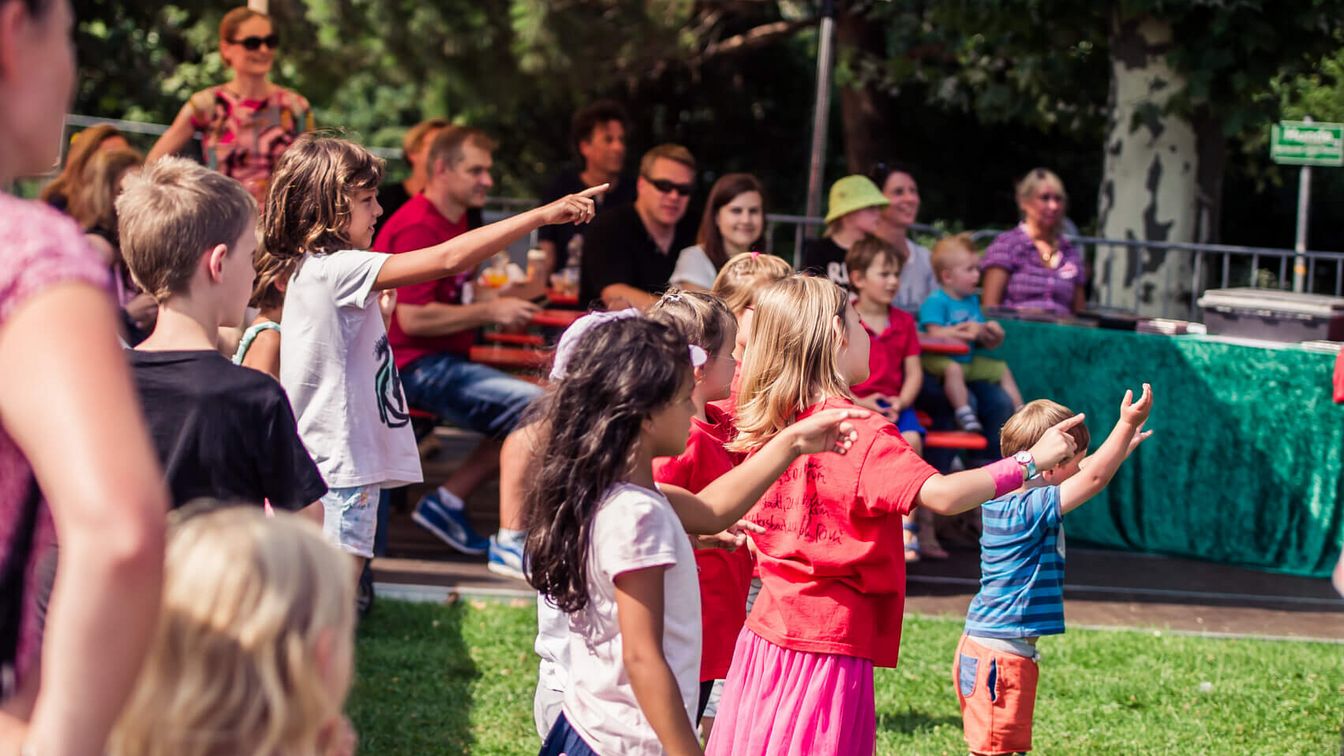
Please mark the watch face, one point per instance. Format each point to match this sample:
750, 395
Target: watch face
1023, 457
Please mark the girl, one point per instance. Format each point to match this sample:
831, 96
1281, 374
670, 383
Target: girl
832, 590
724, 568
852, 212
247, 123
259, 348
733, 223
336, 364
609, 548
737, 284
83, 146
254, 646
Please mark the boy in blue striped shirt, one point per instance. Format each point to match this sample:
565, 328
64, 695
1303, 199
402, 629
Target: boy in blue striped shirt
1022, 573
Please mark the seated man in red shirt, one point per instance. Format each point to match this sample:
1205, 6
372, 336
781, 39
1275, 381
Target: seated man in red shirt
432, 331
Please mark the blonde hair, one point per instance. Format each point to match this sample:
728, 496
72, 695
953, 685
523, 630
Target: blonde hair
794, 357
415, 135
234, 664
1030, 423
701, 317
450, 143
94, 204
947, 249
667, 151
1029, 185
745, 273
170, 214
308, 203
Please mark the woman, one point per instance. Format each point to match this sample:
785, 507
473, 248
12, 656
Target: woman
899, 187
1033, 266
247, 123
69, 419
83, 146
733, 223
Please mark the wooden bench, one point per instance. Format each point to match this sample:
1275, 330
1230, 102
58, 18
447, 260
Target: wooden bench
515, 339
509, 358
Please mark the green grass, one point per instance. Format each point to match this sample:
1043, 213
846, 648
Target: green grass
459, 679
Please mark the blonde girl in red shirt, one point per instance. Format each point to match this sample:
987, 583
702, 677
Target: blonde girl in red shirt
830, 559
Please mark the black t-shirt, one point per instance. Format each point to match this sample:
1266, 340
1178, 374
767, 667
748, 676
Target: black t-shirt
618, 249
568, 182
823, 257
223, 431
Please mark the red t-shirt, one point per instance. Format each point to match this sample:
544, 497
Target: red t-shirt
725, 576
886, 355
831, 561
418, 224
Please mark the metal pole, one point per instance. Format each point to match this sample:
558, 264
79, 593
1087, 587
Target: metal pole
1300, 242
821, 109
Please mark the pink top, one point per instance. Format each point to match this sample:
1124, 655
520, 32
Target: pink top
42, 248
243, 139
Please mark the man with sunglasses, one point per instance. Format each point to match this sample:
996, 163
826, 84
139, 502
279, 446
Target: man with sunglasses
630, 252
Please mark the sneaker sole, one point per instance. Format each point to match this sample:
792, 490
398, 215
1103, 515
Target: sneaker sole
431, 527
506, 570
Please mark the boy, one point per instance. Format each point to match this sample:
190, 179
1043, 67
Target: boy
953, 312
222, 431
1022, 573
894, 373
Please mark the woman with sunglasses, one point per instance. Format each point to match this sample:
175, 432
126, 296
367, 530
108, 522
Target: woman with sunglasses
247, 123
1033, 266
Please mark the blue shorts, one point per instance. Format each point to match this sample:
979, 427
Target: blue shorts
350, 518
908, 422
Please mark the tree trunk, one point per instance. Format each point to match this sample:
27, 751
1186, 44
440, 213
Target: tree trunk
862, 107
1152, 173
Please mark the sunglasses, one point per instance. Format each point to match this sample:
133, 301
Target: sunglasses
667, 187
253, 44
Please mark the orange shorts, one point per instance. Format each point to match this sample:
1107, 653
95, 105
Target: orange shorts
997, 693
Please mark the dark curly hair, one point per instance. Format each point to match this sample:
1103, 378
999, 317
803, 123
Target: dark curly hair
621, 372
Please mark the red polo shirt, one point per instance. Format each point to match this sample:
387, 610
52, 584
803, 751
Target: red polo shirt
418, 224
887, 353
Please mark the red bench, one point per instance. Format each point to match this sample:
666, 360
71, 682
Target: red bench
944, 439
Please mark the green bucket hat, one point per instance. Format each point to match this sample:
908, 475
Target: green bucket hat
853, 193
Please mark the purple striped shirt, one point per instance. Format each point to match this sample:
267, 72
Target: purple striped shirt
1030, 283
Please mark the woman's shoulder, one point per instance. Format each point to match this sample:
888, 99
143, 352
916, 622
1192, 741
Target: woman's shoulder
290, 99
1013, 237
695, 250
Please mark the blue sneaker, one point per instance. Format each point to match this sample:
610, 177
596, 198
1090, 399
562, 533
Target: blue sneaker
450, 525
506, 558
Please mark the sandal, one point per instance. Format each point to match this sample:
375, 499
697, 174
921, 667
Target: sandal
911, 541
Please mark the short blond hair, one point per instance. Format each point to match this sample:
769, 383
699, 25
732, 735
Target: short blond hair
415, 135
745, 273
1030, 185
668, 151
1030, 423
233, 667
450, 143
947, 249
170, 214
794, 357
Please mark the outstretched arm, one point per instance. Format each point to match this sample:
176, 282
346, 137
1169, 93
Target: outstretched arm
468, 250
1101, 467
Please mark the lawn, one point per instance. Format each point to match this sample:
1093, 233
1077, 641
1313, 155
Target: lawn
436, 679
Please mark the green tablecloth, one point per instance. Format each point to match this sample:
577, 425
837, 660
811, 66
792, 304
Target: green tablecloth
1244, 466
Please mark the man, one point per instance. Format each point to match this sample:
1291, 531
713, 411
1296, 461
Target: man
415, 150
432, 332
598, 133
630, 252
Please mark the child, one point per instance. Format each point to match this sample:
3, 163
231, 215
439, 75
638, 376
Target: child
894, 373
736, 284
833, 585
222, 431
953, 312
259, 348
255, 643
1022, 574
853, 211
335, 360
609, 548
724, 569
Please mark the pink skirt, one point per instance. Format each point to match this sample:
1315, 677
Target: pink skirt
778, 702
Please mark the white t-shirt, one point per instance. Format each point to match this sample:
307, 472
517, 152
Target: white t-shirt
634, 528
337, 367
694, 267
917, 279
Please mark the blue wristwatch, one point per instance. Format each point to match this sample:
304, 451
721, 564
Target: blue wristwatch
1028, 462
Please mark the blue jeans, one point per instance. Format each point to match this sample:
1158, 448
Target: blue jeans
991, 405
466, 394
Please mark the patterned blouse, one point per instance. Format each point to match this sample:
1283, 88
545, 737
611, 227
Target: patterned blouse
244, 139
42, 248
1030, 283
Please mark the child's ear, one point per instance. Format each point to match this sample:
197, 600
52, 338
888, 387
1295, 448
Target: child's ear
214, 261
838, 325
854, 277
699, 373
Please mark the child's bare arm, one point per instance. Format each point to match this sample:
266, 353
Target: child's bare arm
726, 500
963, 491
639, 611
944, 331
1102, 465
467, 250
264, 354
914, 381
